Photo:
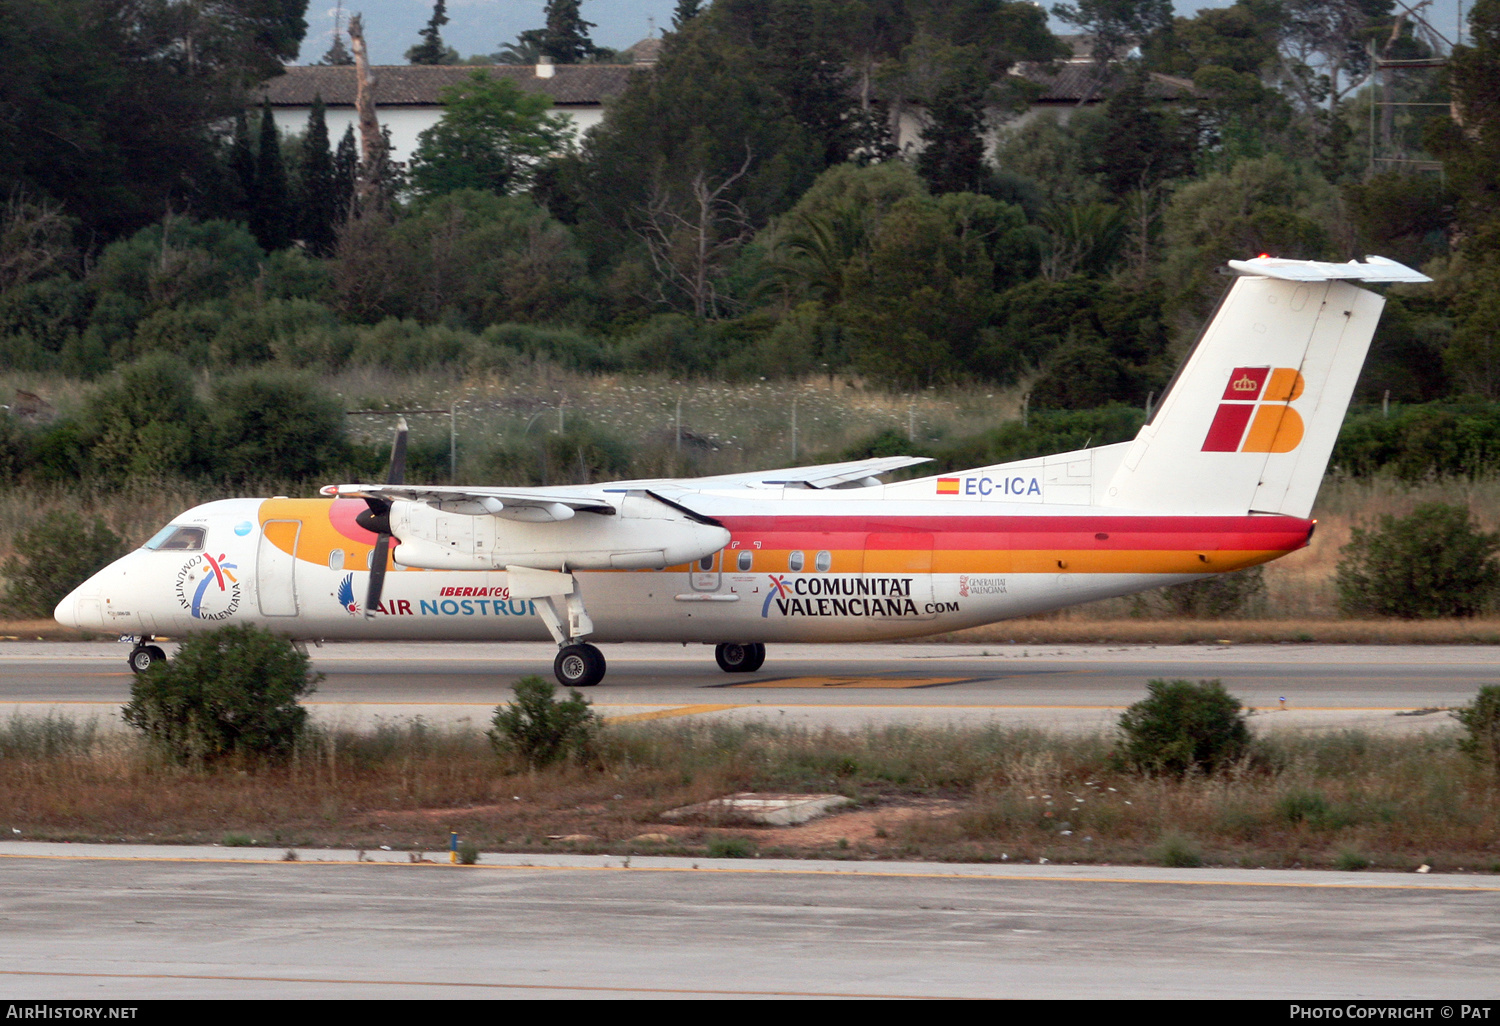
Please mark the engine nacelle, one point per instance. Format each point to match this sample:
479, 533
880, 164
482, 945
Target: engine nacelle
644, 535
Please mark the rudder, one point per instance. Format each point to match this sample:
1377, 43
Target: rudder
1252, 417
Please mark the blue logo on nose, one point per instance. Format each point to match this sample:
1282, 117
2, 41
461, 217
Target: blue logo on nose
243, 528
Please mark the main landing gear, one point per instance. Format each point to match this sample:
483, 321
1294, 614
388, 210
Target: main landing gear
734, 658
578, 665
143, 655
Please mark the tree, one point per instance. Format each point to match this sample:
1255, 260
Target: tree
432, 50
1114, 26
271, 424
467, 257
1182, 727
242, 166
491, 136
345, 175
232, 692
1433, 562
686, 11
147, 424
540, 730
952, 156
319, 209
53, 556
565, 39
1469, 144
115, 109
271, 213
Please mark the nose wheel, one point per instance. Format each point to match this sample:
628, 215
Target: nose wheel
142, 656
734, 658
579, 665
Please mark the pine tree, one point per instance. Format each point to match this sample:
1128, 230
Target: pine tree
318, 208
345, 170
952, 158
269, 216
566, 37
686, 11
242, 164
338, 55
431, 50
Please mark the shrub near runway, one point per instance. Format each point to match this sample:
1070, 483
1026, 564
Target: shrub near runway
1346, 798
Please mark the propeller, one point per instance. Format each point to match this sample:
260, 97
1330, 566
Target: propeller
377, 518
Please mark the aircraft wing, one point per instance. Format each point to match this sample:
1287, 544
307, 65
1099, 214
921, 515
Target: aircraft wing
532, 504
827, 475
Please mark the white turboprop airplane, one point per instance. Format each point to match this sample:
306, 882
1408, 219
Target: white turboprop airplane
1222, 477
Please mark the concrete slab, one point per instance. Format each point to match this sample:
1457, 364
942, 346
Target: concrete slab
766, 809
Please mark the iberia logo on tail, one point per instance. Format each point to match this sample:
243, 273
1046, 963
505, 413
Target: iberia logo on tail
1257, 398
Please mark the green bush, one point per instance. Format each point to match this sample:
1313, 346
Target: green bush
54, 556
1481, 719
1433, 562
146, 423
730, 848
542, 730
1183, 726
270, 423
1178, 852
1217, 596
232, 692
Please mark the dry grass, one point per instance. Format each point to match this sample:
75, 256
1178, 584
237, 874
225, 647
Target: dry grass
983, 793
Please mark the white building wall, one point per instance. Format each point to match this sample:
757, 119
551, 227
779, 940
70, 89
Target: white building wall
406, 123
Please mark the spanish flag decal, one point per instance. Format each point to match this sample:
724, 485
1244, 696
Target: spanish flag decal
947, 486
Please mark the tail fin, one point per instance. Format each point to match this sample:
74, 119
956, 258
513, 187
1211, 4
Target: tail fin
1250, 420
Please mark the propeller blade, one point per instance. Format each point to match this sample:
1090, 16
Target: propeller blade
377, 574
397, 473
378, 519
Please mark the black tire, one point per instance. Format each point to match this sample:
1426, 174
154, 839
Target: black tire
142, 656
578, 666
735, 658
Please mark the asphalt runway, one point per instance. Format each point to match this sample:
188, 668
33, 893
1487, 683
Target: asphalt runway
1068, 686
105, 923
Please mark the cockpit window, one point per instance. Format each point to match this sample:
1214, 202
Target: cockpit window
178, 539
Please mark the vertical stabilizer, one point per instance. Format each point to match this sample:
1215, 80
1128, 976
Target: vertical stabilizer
1250, 421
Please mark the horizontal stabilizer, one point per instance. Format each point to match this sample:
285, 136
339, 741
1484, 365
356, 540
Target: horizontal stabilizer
1374, 269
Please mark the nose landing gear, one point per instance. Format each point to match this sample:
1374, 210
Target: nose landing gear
144, 655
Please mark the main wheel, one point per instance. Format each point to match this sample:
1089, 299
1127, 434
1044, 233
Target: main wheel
733, 658
579, 666
142, 656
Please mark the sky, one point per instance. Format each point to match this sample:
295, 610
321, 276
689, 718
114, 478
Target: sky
481, 26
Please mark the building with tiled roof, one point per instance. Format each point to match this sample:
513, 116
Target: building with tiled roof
407, 95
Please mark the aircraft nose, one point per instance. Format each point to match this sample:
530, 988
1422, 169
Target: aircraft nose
66, 612
81, 607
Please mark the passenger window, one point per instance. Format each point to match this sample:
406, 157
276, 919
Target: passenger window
178, 539
746, 560
796, 561
824, 561
336, 559
706, 563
